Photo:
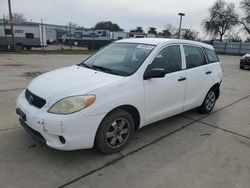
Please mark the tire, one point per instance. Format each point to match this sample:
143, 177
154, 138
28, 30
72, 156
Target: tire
208, 103
114, 132
241, 67
28, 47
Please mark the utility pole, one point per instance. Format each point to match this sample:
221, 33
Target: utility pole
11, 27
180, 14
4, 27
93, 39
70, 42
42, 33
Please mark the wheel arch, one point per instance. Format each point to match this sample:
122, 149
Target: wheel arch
216, 87
133, 111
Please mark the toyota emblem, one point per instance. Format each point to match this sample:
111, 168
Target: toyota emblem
30, 98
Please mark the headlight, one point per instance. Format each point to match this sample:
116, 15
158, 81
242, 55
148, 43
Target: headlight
72, 104
244, 57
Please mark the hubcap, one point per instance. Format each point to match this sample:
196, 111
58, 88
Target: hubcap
210, 100
117, 133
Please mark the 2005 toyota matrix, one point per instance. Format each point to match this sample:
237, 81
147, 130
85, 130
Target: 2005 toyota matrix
121, 88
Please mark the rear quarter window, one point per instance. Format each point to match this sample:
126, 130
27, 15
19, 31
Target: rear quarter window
211, 55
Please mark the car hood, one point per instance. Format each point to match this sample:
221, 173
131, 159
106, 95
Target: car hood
73, 80
247, 55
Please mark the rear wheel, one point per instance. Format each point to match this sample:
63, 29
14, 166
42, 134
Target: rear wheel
208, 103
19, 47
241, 67
114, 132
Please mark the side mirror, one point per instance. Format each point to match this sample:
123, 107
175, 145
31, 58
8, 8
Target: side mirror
154, 73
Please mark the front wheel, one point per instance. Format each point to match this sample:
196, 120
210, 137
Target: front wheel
114, 131
208, 103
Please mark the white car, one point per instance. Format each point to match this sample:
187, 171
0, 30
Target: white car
121, 88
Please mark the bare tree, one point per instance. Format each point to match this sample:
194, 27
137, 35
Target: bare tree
245, 20
234, 37
190, 34
18, 17
169, 28
71, 24
222, 18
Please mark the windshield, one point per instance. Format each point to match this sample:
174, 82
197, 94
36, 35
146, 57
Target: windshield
119, 58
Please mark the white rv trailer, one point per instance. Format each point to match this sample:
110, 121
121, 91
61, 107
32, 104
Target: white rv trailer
27, 35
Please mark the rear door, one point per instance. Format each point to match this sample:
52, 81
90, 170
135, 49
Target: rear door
165, 96
198, 76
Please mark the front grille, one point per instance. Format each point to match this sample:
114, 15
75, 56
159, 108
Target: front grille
34, 100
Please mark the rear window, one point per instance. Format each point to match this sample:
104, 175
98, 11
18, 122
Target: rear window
211, 55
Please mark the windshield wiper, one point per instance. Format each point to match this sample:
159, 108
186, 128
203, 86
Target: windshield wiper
104, 69
85, 65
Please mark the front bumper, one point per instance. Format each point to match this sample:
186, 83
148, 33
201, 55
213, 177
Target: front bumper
33, 133
63, 132
245, 62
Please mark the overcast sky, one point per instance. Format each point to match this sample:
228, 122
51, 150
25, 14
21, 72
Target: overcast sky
126, 13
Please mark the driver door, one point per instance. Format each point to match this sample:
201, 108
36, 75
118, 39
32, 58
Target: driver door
165, 96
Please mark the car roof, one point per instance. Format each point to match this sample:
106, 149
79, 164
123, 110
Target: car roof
157, 41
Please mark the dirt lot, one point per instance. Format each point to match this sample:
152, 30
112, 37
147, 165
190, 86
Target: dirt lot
186, 151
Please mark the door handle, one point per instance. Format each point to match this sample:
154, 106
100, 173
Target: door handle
208, 72
182, 79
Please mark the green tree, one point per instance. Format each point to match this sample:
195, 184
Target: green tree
222, 17
152, 30
138, 30
108, 25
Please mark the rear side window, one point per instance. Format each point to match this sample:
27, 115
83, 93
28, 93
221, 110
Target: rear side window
29, 35
211, 55
194, 56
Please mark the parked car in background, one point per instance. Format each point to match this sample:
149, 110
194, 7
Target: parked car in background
123, 87
245, 61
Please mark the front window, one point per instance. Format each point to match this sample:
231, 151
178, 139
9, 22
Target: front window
168, 59
119, 58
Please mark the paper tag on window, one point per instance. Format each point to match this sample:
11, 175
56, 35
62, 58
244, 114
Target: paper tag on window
144, 46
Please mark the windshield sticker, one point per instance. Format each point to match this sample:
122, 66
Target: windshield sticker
143, 46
